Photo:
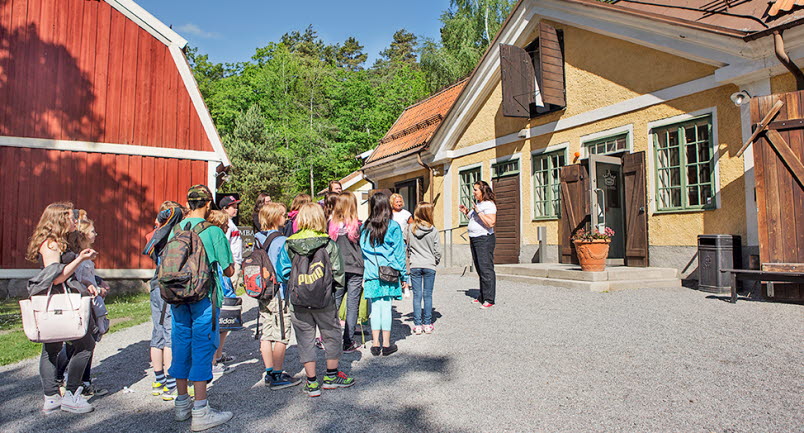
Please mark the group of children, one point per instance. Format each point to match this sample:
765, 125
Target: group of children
322, 256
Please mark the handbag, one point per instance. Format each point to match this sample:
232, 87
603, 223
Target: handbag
231, 318
386, 273
56, 317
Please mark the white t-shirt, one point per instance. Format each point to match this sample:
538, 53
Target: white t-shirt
476, 227
235, 242
402, 218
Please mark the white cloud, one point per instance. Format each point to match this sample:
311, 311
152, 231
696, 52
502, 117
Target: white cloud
194, 30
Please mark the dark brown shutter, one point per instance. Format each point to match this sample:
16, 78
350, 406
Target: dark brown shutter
551, 64
636, 215
574, 208
518, 81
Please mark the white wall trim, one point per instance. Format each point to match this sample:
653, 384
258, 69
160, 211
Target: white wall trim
198, 102
448, 203
627, 106
550, 148
148, 22
625, 129
353, 181
112, 148
471, 166
651, 156
506, 158
758, 88
111, 274
394, 168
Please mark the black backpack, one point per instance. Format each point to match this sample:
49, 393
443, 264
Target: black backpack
310, 283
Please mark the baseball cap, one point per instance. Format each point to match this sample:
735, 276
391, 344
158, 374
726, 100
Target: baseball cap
199, 193
228, 201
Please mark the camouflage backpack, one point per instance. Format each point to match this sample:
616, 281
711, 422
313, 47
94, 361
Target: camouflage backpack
184, 273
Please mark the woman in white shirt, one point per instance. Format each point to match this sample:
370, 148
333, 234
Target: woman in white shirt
400, 214
482, 218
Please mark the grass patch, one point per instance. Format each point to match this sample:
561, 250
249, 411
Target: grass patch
126, 310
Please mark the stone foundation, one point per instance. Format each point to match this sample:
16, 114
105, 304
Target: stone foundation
17, 288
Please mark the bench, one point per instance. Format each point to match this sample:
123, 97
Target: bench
764, 275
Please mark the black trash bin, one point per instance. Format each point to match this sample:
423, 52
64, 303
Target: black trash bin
716, 252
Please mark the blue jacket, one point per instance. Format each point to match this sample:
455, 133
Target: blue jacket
390, 253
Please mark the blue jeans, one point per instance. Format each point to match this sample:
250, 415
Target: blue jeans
422, 280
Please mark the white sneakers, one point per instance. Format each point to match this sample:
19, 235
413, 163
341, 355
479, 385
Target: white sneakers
75, 403
52, 403
207, 417
182, 409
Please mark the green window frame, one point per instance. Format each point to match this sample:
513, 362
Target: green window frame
547, 184
508, 167
468, 177
607, 145
684, 166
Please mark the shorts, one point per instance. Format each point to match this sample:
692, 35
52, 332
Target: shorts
160, 336
271, 326
194, 341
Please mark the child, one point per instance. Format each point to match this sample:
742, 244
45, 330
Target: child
424, 253
344, 229
302, 263
274, 314
170, 213
221, 219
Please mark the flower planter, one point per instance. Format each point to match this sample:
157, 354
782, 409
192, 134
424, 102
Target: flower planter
592, 254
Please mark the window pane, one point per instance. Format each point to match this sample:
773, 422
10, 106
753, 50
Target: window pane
706, 195
705, 173
673, 156
692, 154
692, 196
703, 152
690, 133
692, 174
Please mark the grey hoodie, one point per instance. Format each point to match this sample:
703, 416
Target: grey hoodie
423, 247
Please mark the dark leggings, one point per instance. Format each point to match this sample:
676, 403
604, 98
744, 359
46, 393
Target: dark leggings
353, 291
48, 363
64, 359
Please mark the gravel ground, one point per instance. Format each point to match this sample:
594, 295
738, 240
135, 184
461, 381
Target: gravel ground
543, 359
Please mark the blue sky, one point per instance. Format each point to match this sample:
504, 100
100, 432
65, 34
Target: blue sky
229, 31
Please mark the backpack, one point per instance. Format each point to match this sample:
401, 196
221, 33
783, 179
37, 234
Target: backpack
184, 273
258, 271
310, 283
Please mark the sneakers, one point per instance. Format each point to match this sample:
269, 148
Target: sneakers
206, 417
74, 403
341, 380
220, 369
487, 305
417, 330
376, 350
428, 329
52, 403
169, 394
91, 390
182, 409
386, 351
475, 301
313, 388
352, 347
157, 388
225, 358
282, 381
319, 342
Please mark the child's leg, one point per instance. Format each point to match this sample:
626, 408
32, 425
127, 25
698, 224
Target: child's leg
416, 276
354, 292
219, 352
330, 328
279, 355
429, 282
158, 359
376, 320
385, 322
304, 327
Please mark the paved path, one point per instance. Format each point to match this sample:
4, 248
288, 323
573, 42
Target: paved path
544, 359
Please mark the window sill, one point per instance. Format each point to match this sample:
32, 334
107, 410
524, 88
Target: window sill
694, 210
545, 218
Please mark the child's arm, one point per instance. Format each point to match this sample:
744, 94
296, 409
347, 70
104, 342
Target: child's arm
436, 247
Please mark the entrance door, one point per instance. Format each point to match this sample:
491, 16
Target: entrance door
606, 199
506, 189
410, 190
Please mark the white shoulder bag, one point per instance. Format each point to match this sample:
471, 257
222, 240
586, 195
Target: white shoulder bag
56, 317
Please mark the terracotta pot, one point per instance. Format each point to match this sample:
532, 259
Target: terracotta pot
592, 254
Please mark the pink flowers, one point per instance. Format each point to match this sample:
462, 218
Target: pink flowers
584, 235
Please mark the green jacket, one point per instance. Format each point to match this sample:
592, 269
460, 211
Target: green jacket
303, 242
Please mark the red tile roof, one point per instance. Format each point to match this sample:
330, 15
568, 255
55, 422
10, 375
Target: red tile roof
416, 125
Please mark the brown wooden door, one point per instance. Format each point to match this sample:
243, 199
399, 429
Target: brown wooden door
636, 215
507, 229
574, 208
780, 196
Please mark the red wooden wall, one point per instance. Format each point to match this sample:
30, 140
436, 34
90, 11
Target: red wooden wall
120, 193
80, 70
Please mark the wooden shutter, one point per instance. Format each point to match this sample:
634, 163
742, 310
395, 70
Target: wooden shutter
636, 215
518, 81
574, 208
551, 65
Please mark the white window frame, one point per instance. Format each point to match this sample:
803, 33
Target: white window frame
625, 129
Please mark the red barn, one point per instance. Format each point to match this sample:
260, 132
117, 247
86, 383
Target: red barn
98, 106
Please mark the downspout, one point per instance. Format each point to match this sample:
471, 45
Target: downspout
778, 44
429, 174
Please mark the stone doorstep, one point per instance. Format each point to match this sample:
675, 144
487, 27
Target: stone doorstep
593, 286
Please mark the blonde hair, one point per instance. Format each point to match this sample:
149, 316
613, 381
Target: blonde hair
423, 215
345, 212
270, 213
393, 198
54, 225
311, 217
219, 218
299, 201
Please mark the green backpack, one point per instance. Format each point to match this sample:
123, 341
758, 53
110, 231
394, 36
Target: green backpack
184, 273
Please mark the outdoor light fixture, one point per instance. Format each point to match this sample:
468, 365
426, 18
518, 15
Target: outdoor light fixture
524, 133
740, 98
